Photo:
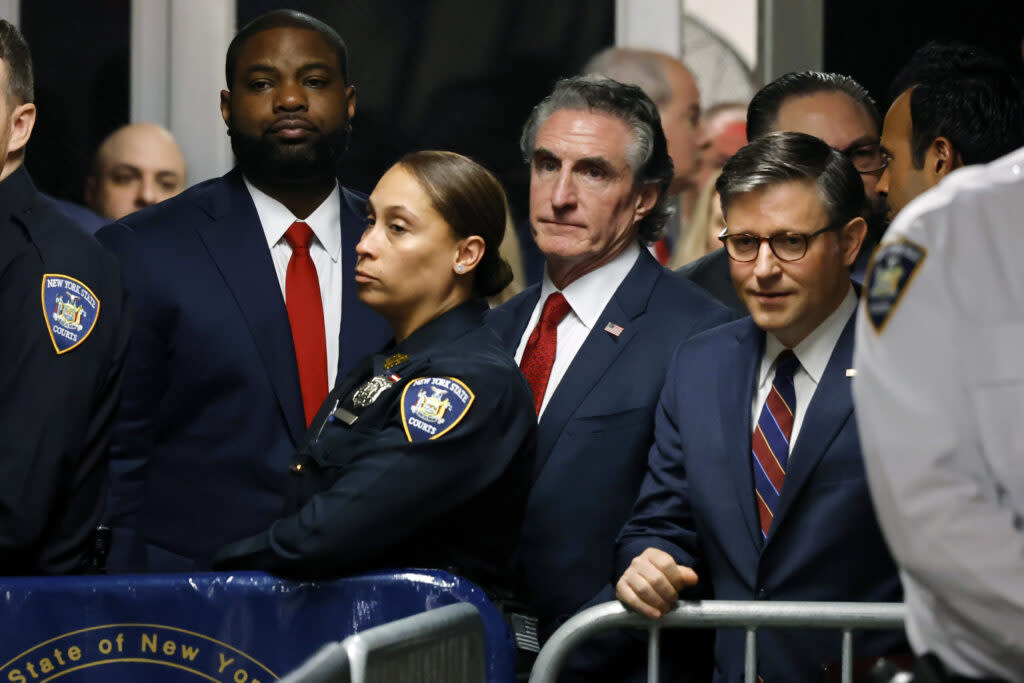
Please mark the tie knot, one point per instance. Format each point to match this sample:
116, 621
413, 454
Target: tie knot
786, 364
299, 235
555, 309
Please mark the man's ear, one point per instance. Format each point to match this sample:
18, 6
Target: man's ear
940, 159
851, 237
646, 198
350, 93
23, 120
225, 106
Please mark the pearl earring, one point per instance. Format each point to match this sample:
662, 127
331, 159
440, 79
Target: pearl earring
460, 269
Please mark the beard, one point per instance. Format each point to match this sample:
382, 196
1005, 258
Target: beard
265, 160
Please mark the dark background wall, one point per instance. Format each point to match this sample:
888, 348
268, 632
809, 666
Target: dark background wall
80, 51
871, 39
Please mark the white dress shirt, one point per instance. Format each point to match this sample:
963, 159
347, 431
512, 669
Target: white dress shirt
813, 353
325, 250
587, 296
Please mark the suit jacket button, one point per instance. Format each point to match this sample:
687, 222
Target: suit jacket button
296, 468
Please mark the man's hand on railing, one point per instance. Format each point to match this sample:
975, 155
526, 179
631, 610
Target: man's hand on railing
651, 583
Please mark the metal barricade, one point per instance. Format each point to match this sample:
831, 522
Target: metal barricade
750, 615
443, 645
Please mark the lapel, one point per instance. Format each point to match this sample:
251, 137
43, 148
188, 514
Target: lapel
736, 397
235, 241
597, 353
830, 408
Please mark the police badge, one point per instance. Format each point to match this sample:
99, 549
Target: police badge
70, 311
372, 389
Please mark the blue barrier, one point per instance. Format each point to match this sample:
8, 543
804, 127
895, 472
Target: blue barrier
224, 628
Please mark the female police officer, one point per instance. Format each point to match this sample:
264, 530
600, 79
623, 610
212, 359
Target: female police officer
421, 456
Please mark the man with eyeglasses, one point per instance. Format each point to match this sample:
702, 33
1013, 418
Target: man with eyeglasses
954, 105
755, 486
829, 106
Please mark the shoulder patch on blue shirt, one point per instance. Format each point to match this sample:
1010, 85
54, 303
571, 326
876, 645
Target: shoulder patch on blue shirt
70, 310
890, 274
432, 406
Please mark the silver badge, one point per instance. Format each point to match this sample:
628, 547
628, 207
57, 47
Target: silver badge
371, 391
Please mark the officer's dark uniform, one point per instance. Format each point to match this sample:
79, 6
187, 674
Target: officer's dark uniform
419, 458
62, 351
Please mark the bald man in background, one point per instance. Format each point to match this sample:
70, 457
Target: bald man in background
673, 89
136, 166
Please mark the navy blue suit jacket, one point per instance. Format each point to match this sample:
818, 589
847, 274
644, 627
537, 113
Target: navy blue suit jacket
697, 503
594, 435
212, 409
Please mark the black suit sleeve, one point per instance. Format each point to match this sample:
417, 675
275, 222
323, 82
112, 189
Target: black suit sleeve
662, 517
143, 387
56, 416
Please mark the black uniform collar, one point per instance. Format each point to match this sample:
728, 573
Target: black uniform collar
17, 192
447, 326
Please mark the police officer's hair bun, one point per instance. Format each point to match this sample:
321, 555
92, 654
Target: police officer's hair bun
472, 201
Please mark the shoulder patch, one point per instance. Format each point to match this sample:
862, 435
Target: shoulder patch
432, 406
890, 274
70, 310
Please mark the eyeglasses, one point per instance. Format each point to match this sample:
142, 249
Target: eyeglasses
787, 246
868, 159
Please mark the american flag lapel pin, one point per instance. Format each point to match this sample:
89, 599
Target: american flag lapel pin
613, 329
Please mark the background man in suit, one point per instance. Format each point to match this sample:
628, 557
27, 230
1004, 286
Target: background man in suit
786, 449
62, 357
240, 284
954, 105
834, 108
594, 336
136, 166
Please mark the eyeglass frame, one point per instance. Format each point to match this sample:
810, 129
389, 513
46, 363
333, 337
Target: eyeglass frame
876, 172
724, 237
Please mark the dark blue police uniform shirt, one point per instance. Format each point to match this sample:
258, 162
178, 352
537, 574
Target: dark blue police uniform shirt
419, 457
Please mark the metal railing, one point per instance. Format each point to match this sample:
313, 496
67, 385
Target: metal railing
750, 615
443, 645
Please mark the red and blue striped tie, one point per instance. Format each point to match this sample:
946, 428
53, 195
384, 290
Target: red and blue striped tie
771, 439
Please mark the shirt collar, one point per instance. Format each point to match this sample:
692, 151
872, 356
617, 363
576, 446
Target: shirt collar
589, 294
276, 219
815, 350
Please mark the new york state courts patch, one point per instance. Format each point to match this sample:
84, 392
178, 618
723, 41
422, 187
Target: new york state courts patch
432, 406
70, 310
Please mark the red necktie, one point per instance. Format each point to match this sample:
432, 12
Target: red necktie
539, 354
306, 315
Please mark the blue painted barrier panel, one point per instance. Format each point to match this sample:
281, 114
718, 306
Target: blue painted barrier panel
224, 628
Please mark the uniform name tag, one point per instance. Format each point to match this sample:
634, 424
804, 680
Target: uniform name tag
432, 406
70, 311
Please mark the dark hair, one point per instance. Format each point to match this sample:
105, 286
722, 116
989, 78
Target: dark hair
763, 110
964, 94
14, 51
647, 153
471, 200
284, 18
782, 157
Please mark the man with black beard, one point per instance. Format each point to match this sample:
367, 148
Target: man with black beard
239, 286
